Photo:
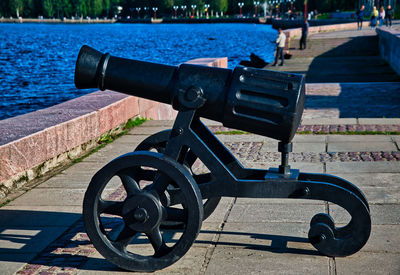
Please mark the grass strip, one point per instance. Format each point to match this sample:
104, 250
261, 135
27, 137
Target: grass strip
110, 137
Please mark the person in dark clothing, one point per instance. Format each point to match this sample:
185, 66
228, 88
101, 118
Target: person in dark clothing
280, 45
360, 17
304, 33
389, 16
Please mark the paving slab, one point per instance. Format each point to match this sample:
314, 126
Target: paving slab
266, 212
358, 138
375, 180
300, 144
381, 214
310, 138
38, 216
143, 130
244, 138
282, 237
219, 214
397, 140
157, 123
382, 239
73, 181
380, 121
9, 263
369, 263
255, 261
361, 146
327, 120
362, 167
27, 240
191, 263
50, 197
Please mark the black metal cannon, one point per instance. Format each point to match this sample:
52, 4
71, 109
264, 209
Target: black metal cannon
153, 217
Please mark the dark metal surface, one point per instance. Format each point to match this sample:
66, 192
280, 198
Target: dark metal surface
264, 102
158, 142
259, 101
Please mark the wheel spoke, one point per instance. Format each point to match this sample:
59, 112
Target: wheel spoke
176, 214
158, 243
110, 207
124, 237
130, 185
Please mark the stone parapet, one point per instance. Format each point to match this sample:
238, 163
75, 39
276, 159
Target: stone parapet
389, 47
36, 143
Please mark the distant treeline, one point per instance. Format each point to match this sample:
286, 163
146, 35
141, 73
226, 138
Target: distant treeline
110, 8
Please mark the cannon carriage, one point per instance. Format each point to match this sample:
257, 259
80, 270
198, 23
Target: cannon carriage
155, 214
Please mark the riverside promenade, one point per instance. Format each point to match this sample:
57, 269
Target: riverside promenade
346, 134
42, 231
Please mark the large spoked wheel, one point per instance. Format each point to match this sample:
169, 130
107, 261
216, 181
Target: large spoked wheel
158, 142
123, 212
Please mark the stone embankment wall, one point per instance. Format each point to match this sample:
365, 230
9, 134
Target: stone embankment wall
34, 144
389, 47
291, 24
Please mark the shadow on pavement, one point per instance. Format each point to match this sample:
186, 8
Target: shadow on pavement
356, 60
358, 100
279, 243
43, 238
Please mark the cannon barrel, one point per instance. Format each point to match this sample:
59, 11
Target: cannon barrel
263, 102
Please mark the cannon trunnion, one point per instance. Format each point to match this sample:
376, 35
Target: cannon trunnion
144, 209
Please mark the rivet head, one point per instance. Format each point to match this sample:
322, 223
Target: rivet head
178, 131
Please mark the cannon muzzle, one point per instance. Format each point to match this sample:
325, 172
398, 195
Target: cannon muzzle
263, 102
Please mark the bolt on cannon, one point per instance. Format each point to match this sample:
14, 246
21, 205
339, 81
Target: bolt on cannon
144, 209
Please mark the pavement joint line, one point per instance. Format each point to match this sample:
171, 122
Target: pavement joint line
332, 266
396, 143
215, 239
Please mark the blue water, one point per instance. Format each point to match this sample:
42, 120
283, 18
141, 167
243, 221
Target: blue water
37, 61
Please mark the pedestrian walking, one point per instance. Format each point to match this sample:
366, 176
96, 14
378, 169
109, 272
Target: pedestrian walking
374, 17
280, 45
389, 16
381, 16
360, 17
304, 33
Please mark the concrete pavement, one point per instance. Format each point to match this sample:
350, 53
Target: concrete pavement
42, 232
338, 57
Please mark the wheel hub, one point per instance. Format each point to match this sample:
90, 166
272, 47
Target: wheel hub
142, 212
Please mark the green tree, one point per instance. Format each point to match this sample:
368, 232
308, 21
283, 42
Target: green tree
96, 7
48, 9
16, 7
67, 8
107, 6
219, 5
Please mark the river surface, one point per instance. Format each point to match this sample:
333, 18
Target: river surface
37, 61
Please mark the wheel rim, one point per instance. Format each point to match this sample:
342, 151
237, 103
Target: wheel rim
125, 228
